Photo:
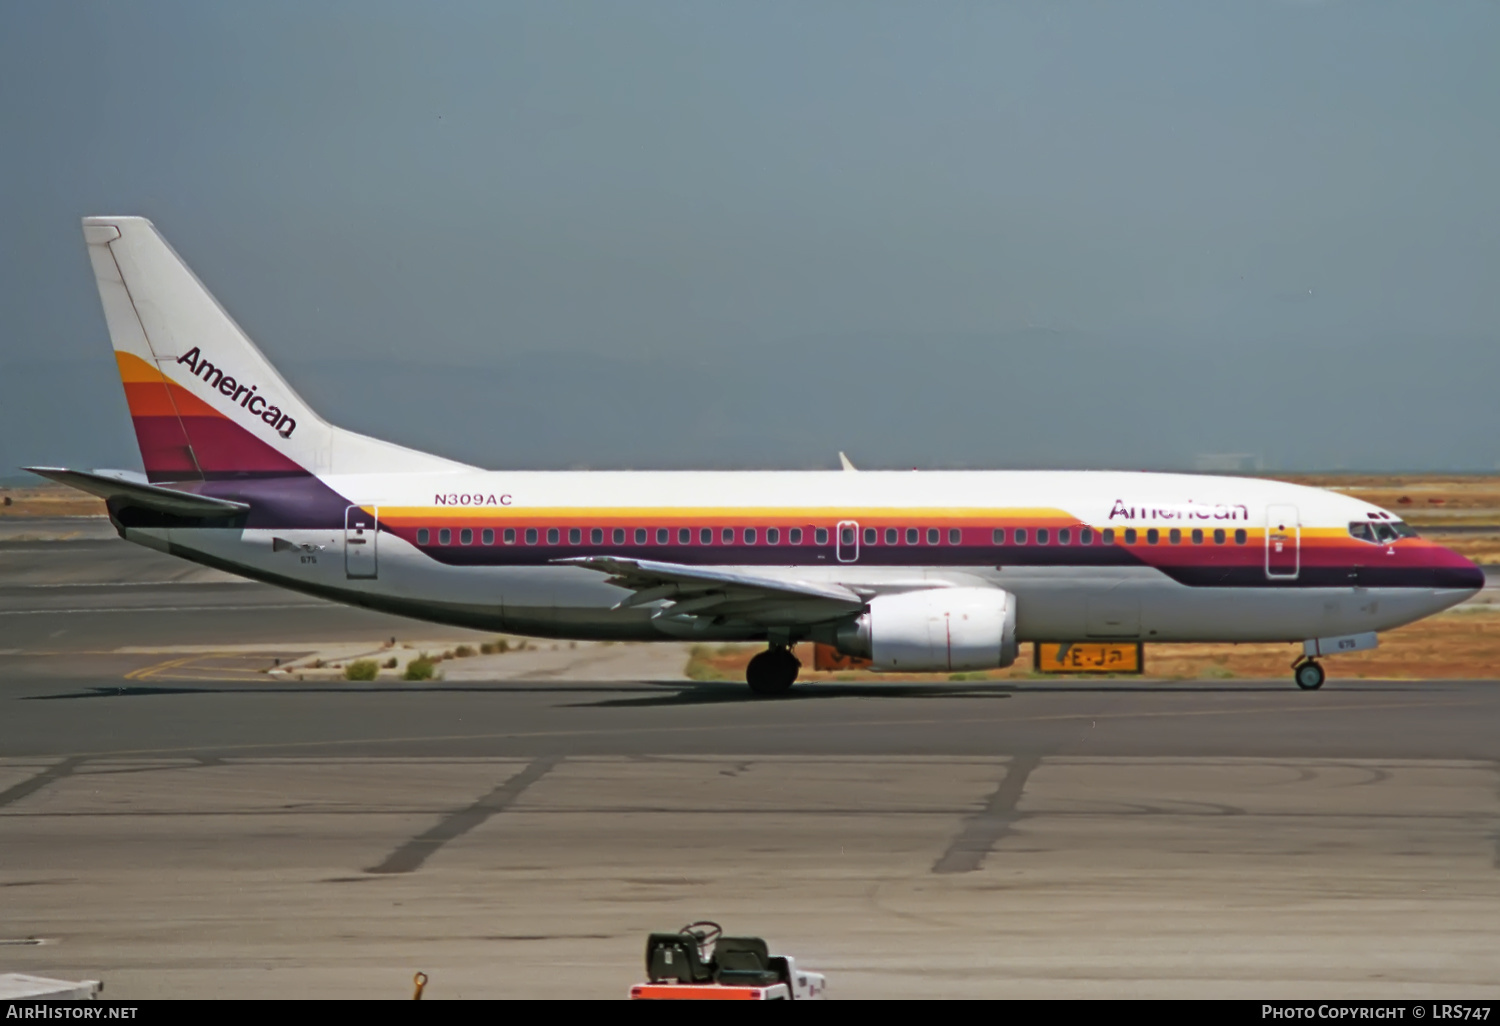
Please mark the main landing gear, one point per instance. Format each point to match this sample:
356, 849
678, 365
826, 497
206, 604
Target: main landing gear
1308, 674
772, 671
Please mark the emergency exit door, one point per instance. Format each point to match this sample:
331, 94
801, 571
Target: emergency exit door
360, 532
1283, 542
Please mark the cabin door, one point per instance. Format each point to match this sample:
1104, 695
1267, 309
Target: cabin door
360, 533
848, 541
1283, 542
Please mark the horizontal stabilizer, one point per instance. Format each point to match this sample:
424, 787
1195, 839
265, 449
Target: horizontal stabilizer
121, 484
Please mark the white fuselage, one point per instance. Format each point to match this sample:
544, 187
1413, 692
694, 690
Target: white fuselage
1086, 554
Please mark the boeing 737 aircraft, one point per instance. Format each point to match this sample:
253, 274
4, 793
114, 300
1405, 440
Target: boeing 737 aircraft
917, 571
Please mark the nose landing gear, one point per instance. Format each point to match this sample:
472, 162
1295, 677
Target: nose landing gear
1308, 674
773, 671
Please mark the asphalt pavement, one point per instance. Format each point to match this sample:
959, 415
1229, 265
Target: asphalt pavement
178, 822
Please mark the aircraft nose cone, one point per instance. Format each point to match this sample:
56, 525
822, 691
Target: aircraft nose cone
1459, 573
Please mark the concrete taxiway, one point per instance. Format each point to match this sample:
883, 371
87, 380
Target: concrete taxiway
514, 830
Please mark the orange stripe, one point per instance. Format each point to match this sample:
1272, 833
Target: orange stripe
189, 405
147, 392
134, 369
165, 399
687, 515
148, 399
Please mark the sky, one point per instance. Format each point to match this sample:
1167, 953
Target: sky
570, 234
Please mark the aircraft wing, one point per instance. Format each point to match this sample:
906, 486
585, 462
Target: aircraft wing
720, 595
115, 485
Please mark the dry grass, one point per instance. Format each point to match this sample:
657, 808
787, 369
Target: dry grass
49, 500
1462, 644
1431, 499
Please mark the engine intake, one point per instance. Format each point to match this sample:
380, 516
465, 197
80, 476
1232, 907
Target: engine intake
935, 629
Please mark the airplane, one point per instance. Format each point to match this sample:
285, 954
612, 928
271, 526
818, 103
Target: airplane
915, 571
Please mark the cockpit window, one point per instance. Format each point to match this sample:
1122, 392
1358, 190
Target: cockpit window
1380, 532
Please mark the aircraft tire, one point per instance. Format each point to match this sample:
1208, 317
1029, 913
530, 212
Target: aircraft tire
772, 672
1309, 676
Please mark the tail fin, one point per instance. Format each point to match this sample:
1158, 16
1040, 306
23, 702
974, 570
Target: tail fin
206, 403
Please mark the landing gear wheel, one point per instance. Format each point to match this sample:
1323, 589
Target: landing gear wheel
772, 672
1308, 675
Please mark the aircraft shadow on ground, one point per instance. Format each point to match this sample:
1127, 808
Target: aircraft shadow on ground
657, 694
728, 692
719, 692
147, 691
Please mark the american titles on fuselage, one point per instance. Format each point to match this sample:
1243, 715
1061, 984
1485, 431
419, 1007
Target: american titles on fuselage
245, 395
1189, 510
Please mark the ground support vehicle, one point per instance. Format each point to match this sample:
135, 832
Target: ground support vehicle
698, 963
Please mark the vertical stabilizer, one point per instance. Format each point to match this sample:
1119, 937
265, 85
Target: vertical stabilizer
206, 402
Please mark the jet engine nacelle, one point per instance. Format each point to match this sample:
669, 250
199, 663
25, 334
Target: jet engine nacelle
935, 630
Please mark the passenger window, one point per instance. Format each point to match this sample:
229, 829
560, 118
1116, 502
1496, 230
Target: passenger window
1020, 536
1175, 536
509, 536
846, 536
1197, 536
773, 536
684, 536
749, 536
727, 536
575, 535
663, 536
794, 536
1129, 536
932, 536
911, 536
1109, 536
1240, 536
1152, 536
640, 536
466, 536
997, 536
706, 536
892, 536
869, 536
619, 536
596, 536
552, 536
820, 536
1085, 536
488, 536
1218, 536
445, 536
1064, 536
955, 536
422, 536
1043, 536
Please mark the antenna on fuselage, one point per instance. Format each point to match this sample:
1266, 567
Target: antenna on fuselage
844, 462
